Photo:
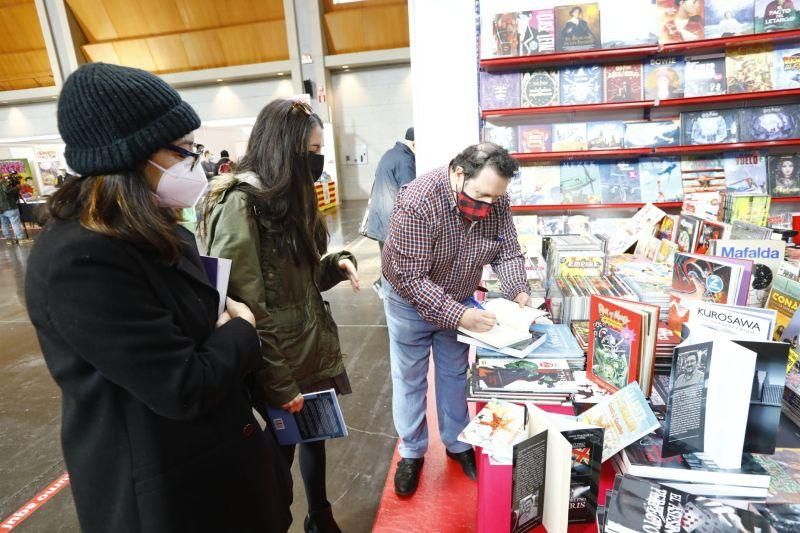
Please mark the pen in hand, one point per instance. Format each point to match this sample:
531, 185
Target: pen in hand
478, 305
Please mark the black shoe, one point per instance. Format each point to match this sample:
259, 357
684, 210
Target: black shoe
321, 522
406, 477
467, 461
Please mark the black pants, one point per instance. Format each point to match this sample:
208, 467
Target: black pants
312, 468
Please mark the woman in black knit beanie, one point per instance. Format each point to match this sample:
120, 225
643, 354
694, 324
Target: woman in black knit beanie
158, 432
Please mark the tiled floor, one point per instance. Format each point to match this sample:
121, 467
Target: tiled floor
30, 454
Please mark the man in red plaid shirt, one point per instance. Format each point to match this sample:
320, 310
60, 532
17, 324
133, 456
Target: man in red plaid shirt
446, 225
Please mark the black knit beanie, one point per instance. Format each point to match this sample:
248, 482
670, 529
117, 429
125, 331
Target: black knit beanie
112, 118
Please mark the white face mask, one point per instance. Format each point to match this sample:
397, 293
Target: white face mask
180, 185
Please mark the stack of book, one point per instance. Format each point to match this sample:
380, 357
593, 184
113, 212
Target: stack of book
541, 381
570, 295
574, 255
666, 342
692, 473
580, 329
745, 207
645, 505
558, 343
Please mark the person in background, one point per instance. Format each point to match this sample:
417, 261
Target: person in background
224, 164
446, 225
396, 168
266, 220
208, 165
158, 430
9, 212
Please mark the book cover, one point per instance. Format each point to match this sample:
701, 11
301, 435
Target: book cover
705, 76
570, 137
710, 127
580, 263
528, 483
728, 18
664, 78
504, 136
738, 322
537, 32
701, 163
618, 32
500, 91
541, 184
495, 427
666, 251
681, 21
524, 375
784, 175
607, 135
783, 467
710, 388
749, 68
745, 230
785, 302
580, 182
559, 343
703, 514
641, 505
770, 123
786, 67
535, 138
775, 15
708, 231
653, 134
218, 272
688, 231
320, 419
540, 88
784, 517
577, 27
746, 172
660, 179
506, 34
581, 85
587, 452
623, 83
614, 343
625, 416
767, 256
666, 229
619, 182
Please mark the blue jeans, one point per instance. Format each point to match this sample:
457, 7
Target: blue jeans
410, 340
9, 219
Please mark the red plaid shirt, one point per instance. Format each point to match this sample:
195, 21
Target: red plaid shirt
434, 260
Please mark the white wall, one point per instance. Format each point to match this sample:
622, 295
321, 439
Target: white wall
445, 79
371, 107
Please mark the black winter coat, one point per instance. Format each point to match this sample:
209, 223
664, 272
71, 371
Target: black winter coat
157, 428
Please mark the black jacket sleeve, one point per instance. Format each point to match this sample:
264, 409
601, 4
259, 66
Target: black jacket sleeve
104, 310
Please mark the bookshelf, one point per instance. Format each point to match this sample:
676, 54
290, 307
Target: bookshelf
645, 104
610, 55
532, 209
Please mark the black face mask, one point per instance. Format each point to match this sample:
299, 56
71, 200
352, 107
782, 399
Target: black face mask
317, 163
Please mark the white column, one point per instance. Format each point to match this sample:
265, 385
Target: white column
444, 79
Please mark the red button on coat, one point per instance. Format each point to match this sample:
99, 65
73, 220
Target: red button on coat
248, 430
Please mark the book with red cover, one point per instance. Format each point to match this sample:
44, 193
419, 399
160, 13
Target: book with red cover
708, 230
622, 343
623, 83
536, 138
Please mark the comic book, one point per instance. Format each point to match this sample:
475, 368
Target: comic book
728, 18
537, 32
623, 83
664, 78
577, 27
535, 138
705, 76
500, 91
539, 88
749, 68
581, 85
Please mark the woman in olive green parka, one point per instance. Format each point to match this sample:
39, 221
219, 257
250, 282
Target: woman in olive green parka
266, 220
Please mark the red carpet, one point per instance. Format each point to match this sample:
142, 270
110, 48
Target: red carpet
446, 500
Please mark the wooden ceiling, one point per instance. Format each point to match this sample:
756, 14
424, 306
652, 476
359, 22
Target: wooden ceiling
366, 26
24, 63
165, 36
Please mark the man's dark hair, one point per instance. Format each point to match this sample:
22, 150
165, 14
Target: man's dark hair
478, 156
574, 9
224, 153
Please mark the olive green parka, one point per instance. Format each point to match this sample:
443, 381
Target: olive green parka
299, 339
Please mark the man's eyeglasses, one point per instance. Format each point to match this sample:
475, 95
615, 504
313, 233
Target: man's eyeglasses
185, 153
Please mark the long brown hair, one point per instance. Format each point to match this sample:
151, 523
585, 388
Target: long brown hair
120, 206
278, 153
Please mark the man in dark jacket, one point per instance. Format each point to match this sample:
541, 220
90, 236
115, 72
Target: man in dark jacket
9, 211
396, 168
223, 165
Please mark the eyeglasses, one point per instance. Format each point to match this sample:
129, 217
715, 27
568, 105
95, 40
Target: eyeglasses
300, 106
185, 153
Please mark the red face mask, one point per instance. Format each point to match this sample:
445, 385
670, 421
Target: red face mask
472, 209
